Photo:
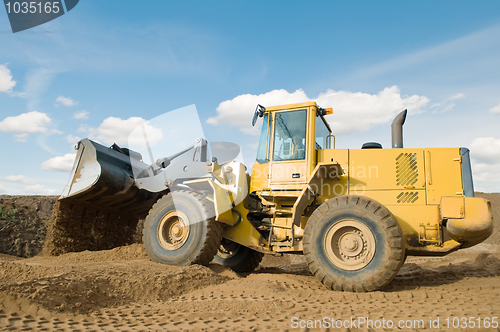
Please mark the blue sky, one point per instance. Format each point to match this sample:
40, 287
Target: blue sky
106, 66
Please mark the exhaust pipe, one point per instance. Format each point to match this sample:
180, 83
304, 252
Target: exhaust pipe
397, 130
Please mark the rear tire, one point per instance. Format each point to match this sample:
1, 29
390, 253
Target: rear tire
238, 258
353, 243
183, 233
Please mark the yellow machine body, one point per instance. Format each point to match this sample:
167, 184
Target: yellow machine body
426, 189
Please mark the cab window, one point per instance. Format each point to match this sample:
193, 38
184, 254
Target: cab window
322, 133
290, 135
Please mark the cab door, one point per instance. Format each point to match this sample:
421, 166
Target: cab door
290, 148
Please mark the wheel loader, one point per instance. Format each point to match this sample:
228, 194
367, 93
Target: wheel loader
356, 214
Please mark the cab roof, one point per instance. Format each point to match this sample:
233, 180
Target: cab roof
290, 106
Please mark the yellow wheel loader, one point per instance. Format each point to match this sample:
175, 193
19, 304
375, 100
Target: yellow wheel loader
354, 213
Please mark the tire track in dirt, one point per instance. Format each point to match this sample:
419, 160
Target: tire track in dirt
464, 285
227, 308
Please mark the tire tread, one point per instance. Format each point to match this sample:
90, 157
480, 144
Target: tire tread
212, 237
252, 263
395, 257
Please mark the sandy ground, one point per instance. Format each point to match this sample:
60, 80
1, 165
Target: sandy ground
120, 289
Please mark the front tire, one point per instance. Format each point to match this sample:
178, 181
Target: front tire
353, 243
183, 233
238, 258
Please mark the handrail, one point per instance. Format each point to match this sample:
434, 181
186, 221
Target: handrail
428, 174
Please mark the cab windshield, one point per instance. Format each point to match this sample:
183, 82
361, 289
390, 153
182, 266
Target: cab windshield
263, 150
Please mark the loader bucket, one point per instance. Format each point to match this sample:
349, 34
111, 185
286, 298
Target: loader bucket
100, 206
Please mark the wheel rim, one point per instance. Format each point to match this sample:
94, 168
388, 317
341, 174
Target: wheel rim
228, 249
173, 230
350, 245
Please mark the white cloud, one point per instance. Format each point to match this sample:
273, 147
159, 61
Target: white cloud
356, 112
485, 150
353, 111
495, 110
238, 112
60, 163
65, 101
54, 131
2, 189
81, 115
84, 128
6, 82
457, 96
24, 124
38, 189
72, 139
37, 83
485, 174
19, 179
447, 104
116, 130
21, 137
485, 154
448, 107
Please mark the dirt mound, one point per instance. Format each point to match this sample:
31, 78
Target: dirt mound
121, 289
23, 223
74, 228
79, 283
435, 272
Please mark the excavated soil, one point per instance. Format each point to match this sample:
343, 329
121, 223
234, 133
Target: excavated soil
74, 228
23, 223
120, 289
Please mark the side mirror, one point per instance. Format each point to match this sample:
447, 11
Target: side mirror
259, 112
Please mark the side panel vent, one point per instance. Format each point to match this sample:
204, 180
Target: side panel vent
408, 197
406, 169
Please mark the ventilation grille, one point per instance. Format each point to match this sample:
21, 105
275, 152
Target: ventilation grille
406, 169
408, 197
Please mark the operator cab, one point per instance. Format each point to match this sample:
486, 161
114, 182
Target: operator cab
289, 140
289, 134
